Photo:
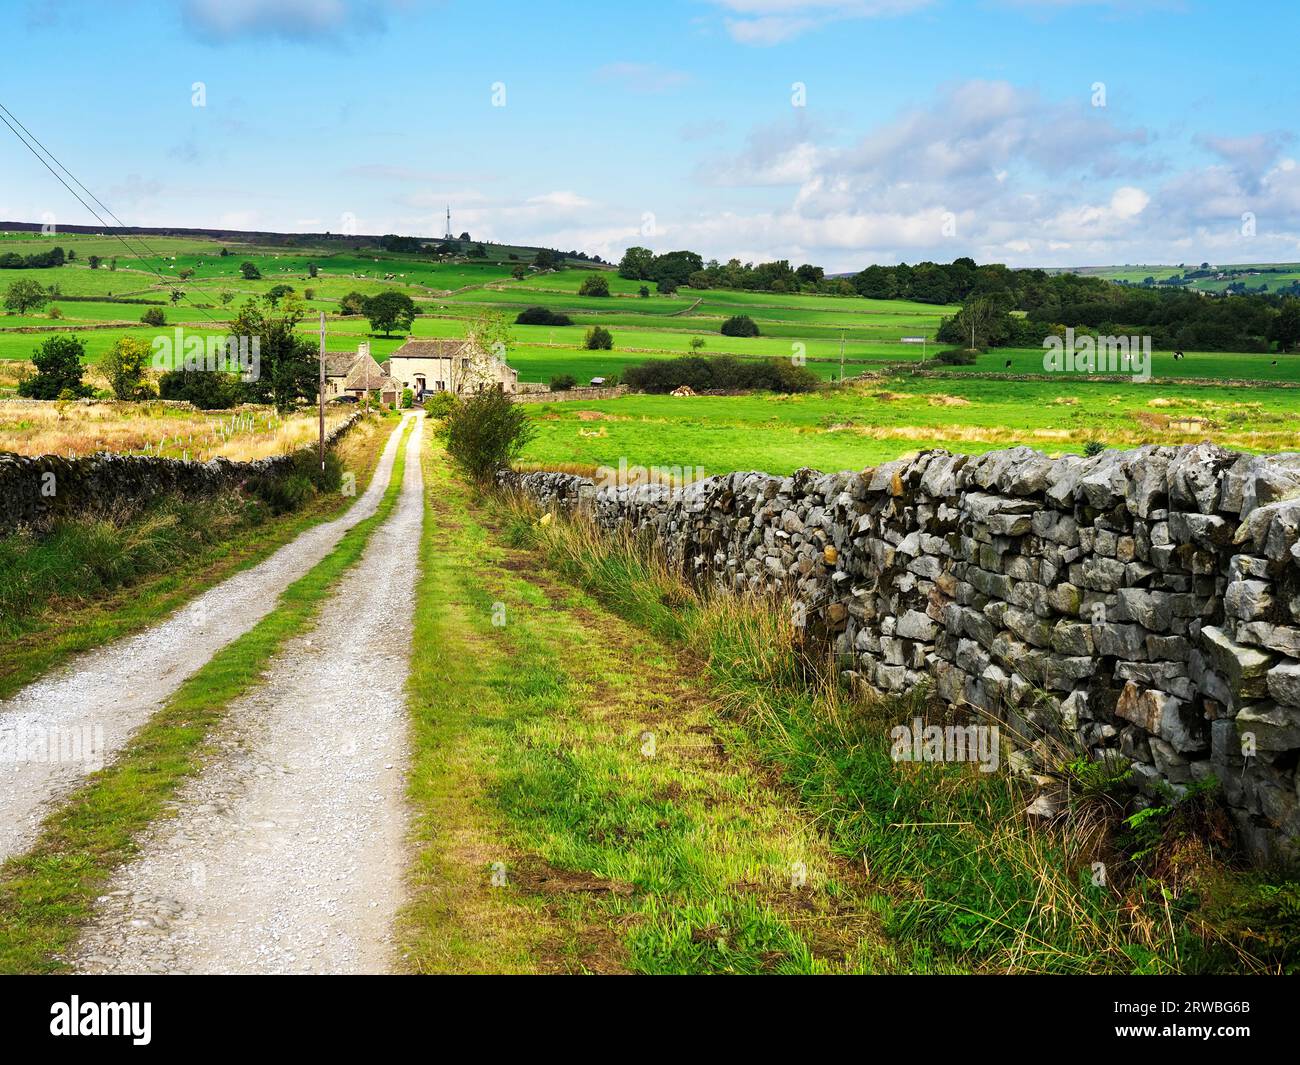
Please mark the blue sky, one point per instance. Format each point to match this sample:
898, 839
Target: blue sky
1032, 132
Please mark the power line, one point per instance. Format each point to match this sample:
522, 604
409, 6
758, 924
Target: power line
99, 218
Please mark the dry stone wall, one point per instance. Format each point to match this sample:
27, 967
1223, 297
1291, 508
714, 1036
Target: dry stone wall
34, 490
1144, 604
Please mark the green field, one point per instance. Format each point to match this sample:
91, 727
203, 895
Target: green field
967, 408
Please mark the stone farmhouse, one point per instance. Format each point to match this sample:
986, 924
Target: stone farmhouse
356, 373
450, 366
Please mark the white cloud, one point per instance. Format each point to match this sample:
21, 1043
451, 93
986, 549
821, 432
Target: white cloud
769, 22
220, 21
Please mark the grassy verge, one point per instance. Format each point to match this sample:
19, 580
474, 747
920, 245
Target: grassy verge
580, 807
47, 893
960, 874
93, 581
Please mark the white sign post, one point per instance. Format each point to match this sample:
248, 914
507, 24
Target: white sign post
915, 340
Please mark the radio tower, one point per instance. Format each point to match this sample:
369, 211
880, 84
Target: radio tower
448, 236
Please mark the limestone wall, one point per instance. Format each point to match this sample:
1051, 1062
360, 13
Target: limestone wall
1145, 603
36, 489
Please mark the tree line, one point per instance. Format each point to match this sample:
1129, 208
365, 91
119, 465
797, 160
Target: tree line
1015, 307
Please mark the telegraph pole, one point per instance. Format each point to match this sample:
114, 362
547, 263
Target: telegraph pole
320, 395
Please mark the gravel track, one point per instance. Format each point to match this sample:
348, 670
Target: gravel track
90, 707
286, 854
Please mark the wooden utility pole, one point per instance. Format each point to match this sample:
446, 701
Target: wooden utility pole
320, 397
841, 356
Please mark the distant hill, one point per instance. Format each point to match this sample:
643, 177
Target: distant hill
492, 253
1274, 278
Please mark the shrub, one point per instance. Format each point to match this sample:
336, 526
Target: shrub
740, 325
667, 286
563, 382
408, 399
154, 316
290, 490
352, 303
720, 373
644, 292
1093, 447
250, 271
594, 285
127, 368
485, 432
440, 404
206, 389
958, 356
542, 316
598, 338
58, 370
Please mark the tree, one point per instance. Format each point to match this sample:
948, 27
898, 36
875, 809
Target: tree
485, 432
1285, 328
127, 368
312, 269
206, 389
390, 310
666, 286
975, 321
23, 296
353, 303
490, 332
288, 368
519, 272
94, 262
644, 292
594, 285
697, 345
563, 382
226, 296
250, 271
58, 370
154, 316
740, 325
546, 259
635, 264
277, 293
598, 338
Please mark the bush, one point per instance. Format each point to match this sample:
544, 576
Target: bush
408, 399
741, 325
290, 490
563, 382
154, 316
58, 370
485, 432
206, 389
958, 356
440, 404
594, 285
542, 316
598, 338
720, 373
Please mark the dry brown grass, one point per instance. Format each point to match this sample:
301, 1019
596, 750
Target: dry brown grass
77, 428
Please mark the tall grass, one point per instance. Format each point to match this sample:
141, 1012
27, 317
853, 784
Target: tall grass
973, 881
82, 558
